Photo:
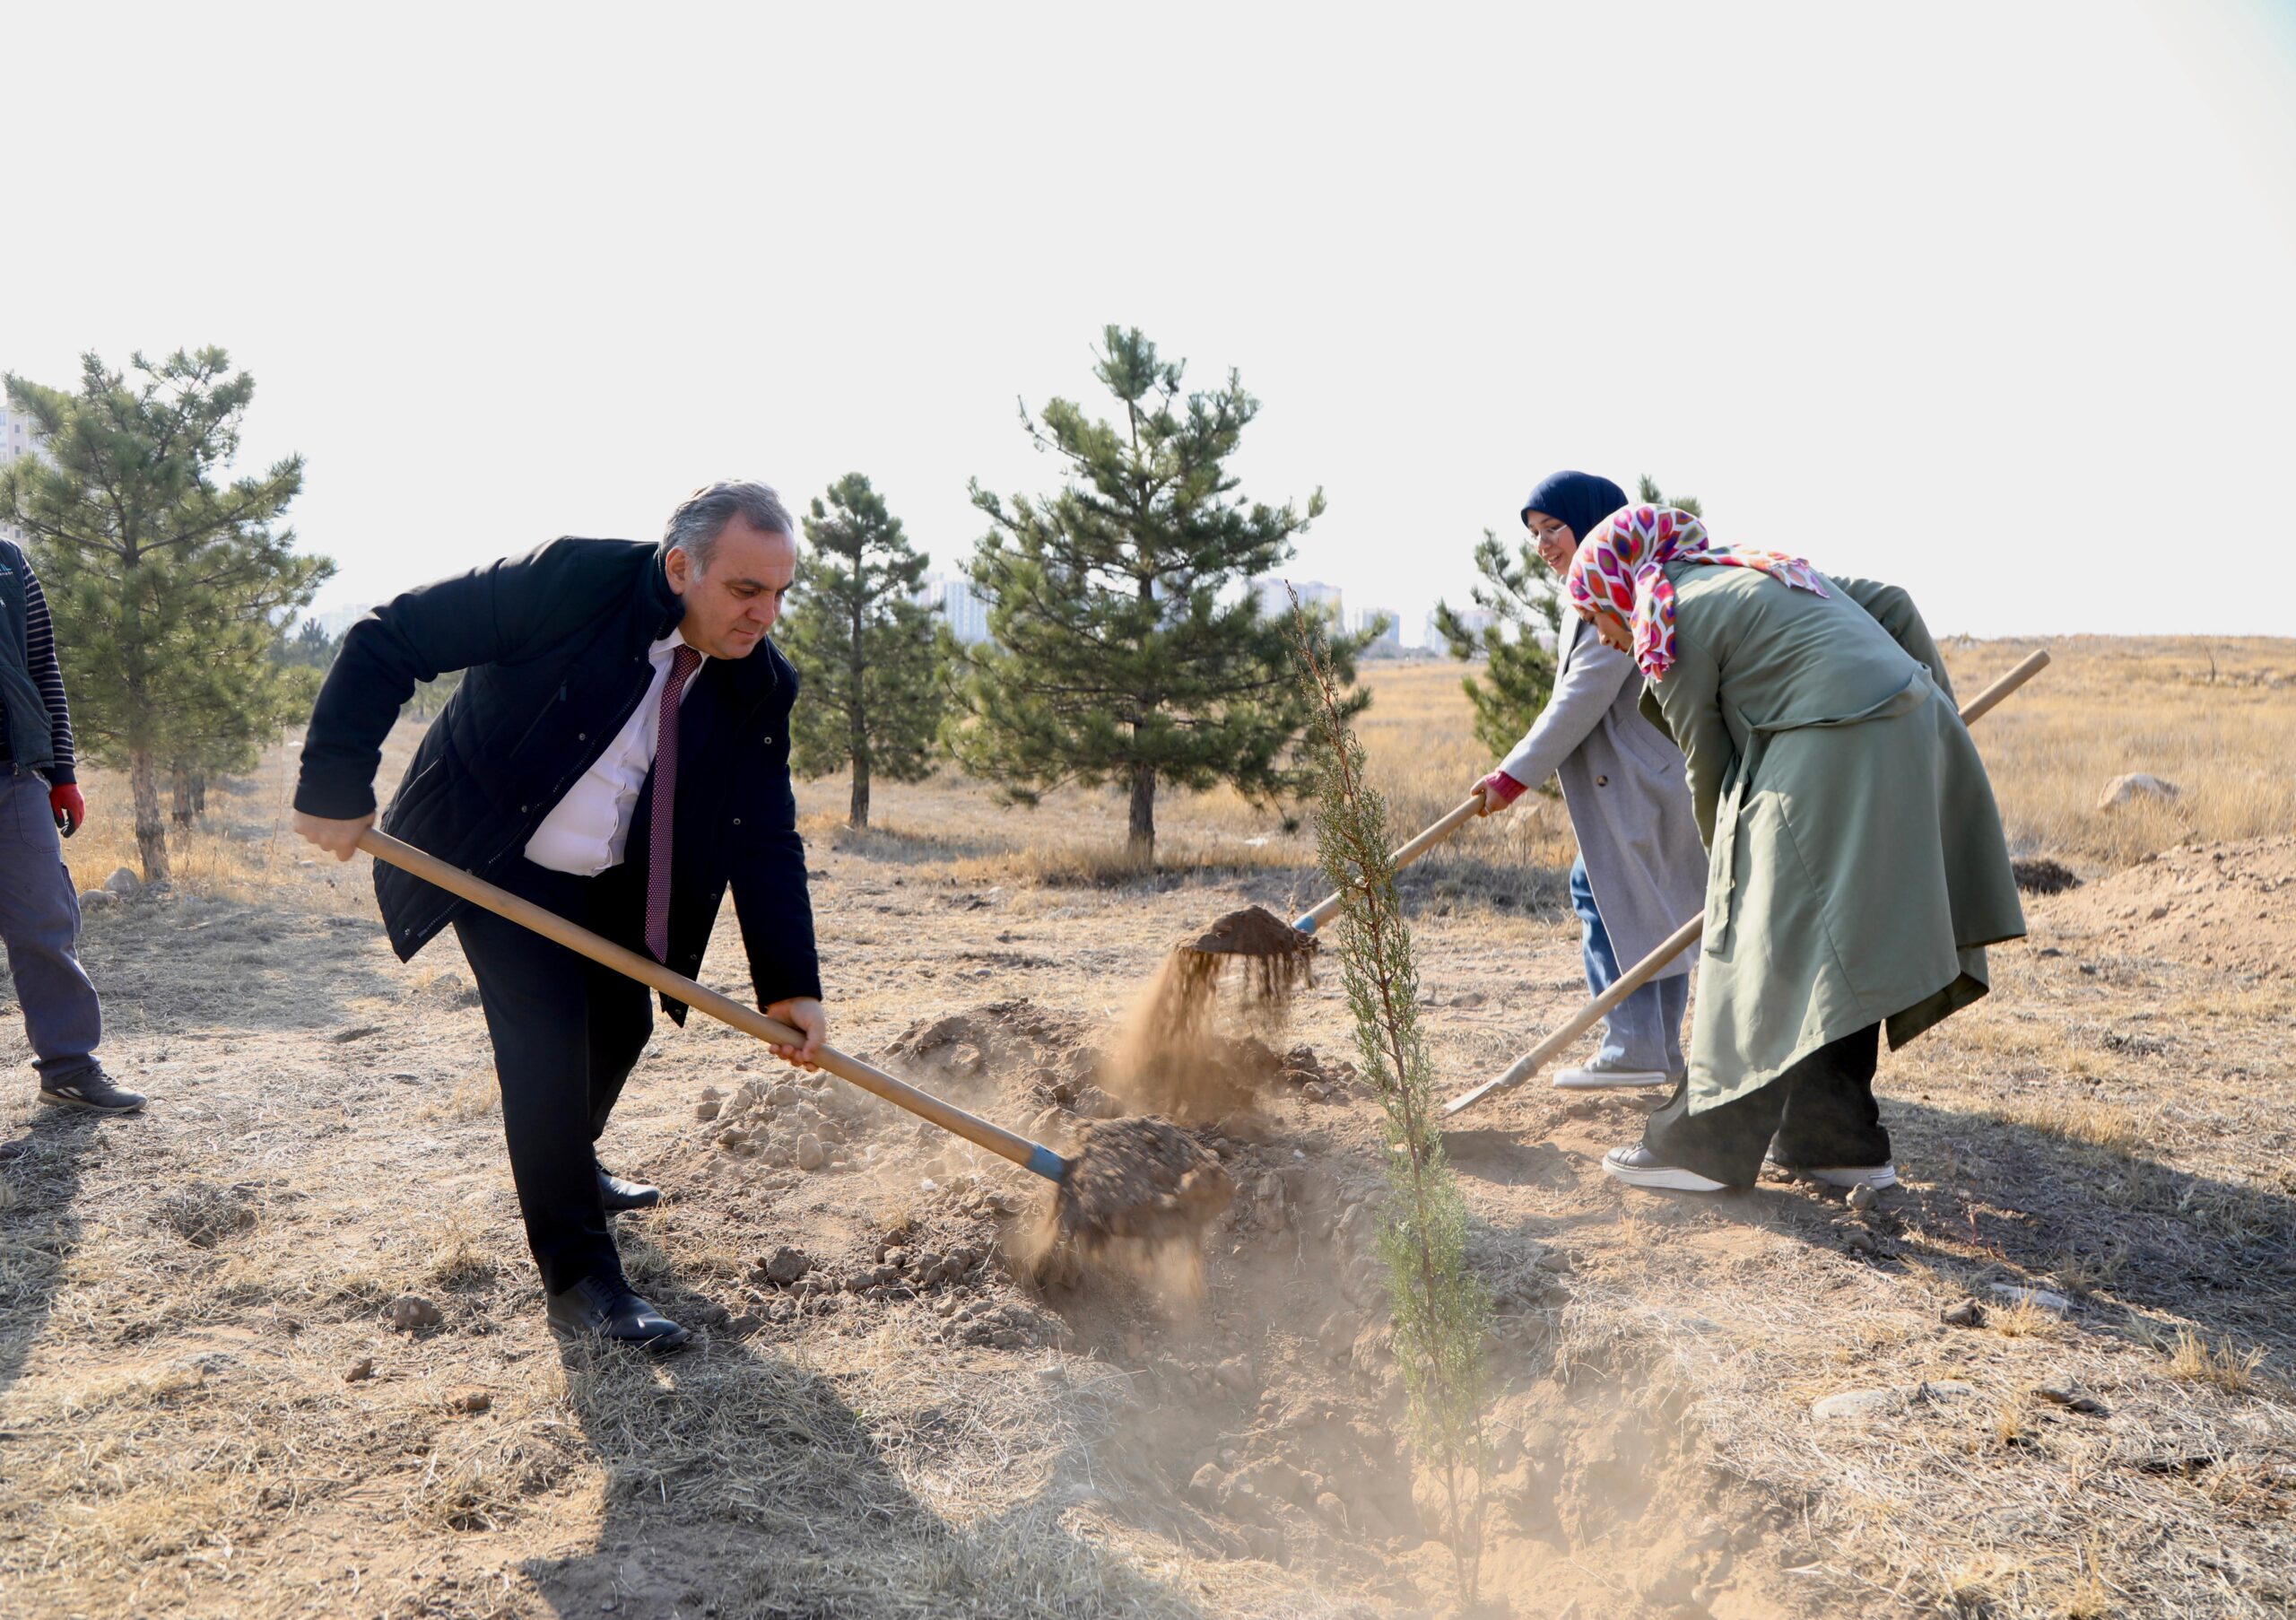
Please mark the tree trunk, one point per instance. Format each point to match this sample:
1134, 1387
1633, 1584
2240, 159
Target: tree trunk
1142, 845
180, 792
199, 794
857, 713
151, 827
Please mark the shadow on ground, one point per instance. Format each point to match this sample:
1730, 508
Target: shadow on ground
740, 1485
1991, 1201
40, 1224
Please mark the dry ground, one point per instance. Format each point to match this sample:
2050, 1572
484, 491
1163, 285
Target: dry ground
892, 1422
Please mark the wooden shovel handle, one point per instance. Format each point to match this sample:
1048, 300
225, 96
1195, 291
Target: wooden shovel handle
1685, 936
1453, 820
550, 926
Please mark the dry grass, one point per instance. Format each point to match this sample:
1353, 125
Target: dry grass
2230, 1369
2107, 706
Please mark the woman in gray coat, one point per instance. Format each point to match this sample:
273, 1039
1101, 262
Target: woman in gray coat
1642, 870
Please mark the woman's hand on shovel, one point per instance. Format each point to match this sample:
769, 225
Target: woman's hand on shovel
807, 1016
1497, 791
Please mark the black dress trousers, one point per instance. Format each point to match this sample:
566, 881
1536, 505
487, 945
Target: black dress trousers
566, 1032
1822, 1111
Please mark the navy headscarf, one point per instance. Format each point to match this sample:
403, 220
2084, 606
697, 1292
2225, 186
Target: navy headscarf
1581, 499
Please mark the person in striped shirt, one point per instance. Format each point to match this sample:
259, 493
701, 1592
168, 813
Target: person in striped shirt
40, 798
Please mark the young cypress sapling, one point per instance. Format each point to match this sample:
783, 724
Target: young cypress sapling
1440, 1310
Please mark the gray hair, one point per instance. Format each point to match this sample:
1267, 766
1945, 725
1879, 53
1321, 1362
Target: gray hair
701, 517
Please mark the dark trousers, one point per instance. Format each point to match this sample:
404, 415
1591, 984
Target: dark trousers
1822, 1111
40, 924
566, 1034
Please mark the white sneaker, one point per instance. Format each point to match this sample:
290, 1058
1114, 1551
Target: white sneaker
1595, 1077
1637, 1167
1875, 1176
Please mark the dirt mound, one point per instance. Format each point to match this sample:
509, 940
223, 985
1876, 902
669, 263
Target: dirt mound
1015, 1039
2042, 875
2229, 907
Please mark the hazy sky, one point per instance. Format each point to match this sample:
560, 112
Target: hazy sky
1996, 300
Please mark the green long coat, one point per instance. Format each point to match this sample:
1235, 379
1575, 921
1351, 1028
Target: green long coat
1856, 866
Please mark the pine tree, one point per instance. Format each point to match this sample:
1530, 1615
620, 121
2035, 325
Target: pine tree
1518, 645
1646, 491
870, 655
1518, 590
167, 587
1120, 651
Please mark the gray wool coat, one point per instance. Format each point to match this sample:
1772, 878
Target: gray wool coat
1623, 780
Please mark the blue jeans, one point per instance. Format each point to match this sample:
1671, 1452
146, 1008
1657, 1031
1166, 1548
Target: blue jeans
40, 924
1644, 1031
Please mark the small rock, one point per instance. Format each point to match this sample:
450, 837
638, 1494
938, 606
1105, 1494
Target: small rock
97, 897
2136, 785
1856, 1403
1468, 998
811, 1154
966, 1059
359, 1371
786, 1266
123, 882
1858, 1241
1235, 1375
706, 1108
1968, 1313
2055, 1304
469, 1401
1205, 1486
2063, 1392
1941, 1390
410, 1312
356, 1032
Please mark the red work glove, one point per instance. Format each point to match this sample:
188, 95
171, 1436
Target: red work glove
69, 808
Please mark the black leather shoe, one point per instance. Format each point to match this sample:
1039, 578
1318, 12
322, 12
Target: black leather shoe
617, 1194
613, 1310
94, 1091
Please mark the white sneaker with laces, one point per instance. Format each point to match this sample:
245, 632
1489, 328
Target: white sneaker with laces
1637, 1167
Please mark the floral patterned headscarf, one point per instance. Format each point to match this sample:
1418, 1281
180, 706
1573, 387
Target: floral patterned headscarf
1621, 568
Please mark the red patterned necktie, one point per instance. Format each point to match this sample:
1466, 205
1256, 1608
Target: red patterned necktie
682, 664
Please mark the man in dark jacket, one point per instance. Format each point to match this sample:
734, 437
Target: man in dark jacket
541, 775
39, 797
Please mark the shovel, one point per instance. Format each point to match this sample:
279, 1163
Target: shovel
1032, 1156
1457, 816
1684, 938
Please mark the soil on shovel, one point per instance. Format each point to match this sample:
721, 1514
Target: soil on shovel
1275, 957
1171, 1058
1140, 1178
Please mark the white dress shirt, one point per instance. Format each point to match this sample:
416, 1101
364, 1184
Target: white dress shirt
586, 831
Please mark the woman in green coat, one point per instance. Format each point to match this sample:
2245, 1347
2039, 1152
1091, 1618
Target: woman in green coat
1856, 867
